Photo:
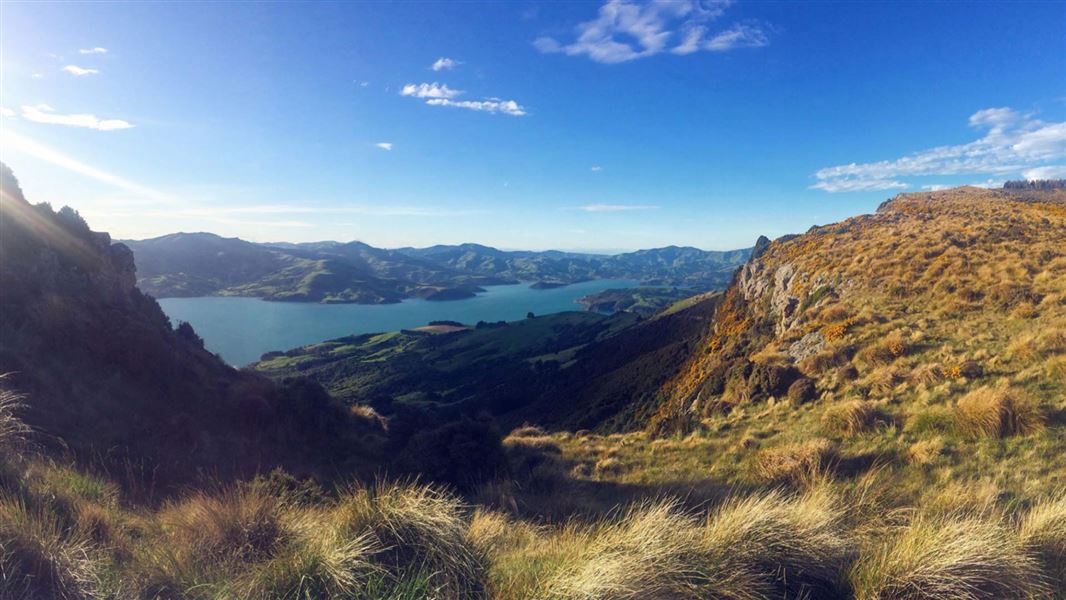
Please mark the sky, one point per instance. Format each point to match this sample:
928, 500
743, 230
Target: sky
570, 125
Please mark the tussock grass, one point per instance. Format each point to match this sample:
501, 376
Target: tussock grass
852, 418
1043, 529
759, 547
952, 557
40, 557
998, 412
798, 464
420, 529
13, 430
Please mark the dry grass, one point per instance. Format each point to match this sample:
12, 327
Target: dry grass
998, 412
797, 464
41, 557
1043, 529
924, 452
13, 431
760, 547
419, 528
852, 418
953, 557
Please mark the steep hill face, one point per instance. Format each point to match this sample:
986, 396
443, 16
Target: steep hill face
120, 388
930, 297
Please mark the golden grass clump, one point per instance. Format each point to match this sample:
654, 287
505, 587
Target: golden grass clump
1043, 529
760, 547
421, 531
949, 557
852, 418
40, 557
608, 467
998, 412
924, 452
798, 464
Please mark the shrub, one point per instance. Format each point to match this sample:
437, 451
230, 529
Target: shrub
802, 391
851, 418
998, 412
795, 463
953, 557
463, 453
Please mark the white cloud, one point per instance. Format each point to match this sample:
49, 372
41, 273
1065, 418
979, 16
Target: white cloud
384, 145
936, 187
37, 76
492, 105
78, 71
737, 36
626, 30
859, 185
1012, 143
595, 168
96, 50
443, 64
42, 113
429, 90
7, 112
595, 208
1048, 172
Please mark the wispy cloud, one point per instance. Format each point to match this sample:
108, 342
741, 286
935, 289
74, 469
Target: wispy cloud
444, 64
384, 145
598, 208
595, 168
492, 105
96, 50
429, 90
1013, 143
42, 113
33, 148
1048, 172
626, 30
79, 71
438, 94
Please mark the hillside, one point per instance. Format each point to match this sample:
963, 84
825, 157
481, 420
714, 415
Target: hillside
115, 386
198, 264
599, 363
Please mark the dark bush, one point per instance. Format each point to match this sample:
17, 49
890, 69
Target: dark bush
802, 391
462, 453
770, 380
971, 369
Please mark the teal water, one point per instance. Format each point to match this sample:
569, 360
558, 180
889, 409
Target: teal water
242, 329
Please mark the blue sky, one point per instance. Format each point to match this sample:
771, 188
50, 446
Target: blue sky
576, 125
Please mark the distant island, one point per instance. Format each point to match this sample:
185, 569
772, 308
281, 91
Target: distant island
205, 264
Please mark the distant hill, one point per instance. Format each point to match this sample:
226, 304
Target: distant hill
199, 264
516, 371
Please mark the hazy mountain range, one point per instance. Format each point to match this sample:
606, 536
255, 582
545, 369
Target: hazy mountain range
202, 264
